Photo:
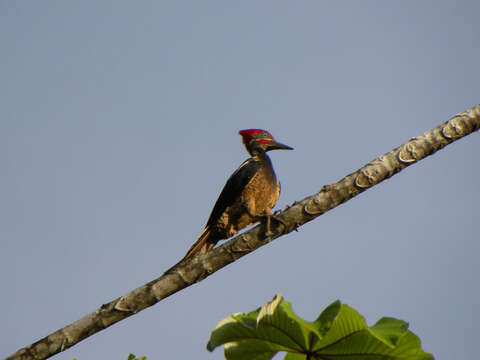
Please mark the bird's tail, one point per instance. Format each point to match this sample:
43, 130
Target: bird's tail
201, 246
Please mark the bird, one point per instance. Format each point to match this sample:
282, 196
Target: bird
248, 196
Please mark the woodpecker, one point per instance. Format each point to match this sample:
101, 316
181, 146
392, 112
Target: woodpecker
248, 196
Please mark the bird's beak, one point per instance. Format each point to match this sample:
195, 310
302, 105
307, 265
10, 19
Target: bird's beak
278, 146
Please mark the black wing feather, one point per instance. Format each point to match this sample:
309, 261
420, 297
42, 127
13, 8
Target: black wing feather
233, 188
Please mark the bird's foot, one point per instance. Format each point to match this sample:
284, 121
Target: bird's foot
274, 216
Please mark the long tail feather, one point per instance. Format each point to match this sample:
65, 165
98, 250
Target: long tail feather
201, 246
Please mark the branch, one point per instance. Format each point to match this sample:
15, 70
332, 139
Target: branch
197, 269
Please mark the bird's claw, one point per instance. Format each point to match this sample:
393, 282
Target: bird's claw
274, 216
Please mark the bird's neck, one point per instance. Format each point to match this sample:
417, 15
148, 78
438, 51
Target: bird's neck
256, 150
258, 153
261, 156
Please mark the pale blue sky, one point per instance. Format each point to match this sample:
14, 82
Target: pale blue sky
118, 129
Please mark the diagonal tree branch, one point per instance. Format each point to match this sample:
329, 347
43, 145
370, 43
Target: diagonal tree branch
195, 270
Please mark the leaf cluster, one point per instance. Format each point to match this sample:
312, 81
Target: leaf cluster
339, 333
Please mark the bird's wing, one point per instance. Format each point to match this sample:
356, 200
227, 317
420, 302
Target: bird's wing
233, 188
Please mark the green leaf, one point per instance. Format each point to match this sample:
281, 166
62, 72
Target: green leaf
338, 333
133, 357
325, 319
292, 356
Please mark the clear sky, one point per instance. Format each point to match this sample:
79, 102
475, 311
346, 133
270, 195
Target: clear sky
118, 129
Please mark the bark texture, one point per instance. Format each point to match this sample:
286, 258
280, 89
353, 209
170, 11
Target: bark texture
196, 269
